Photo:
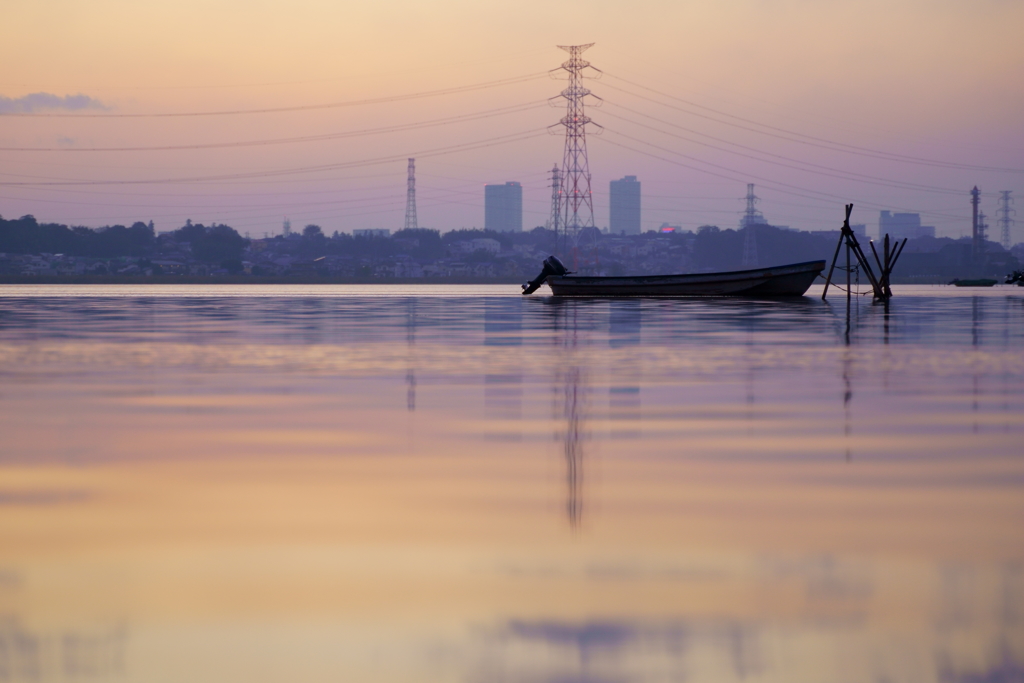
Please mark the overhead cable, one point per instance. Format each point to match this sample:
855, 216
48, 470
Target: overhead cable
739, 176
437, 151
307, 107
815, 168
305, 138
807, 139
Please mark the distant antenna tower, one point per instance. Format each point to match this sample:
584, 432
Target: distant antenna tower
410, 198
751, 218
555, 220
982, 229
287, 229
975, 240
578, 202
1005, 222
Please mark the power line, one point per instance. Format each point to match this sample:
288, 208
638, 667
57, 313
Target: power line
308, 107
833, 172
192, 195
808, 139
504, 139
241, 212
739, 176
306, 138
285, 201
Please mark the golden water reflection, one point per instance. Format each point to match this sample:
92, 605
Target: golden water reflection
484, 488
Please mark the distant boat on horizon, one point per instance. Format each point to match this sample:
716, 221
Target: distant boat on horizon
980, 282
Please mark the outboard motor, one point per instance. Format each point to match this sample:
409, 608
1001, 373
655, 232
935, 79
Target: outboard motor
552, 266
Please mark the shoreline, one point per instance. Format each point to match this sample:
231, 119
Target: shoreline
240, 280
316, 280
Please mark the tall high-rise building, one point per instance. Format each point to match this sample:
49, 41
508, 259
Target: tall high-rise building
503, 207
624, 208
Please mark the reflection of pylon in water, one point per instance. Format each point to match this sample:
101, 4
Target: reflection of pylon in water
577, 199
568, 404
410, 374
573, 449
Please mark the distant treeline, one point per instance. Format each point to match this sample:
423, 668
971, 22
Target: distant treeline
422, 244
216, 243
25, 235
708, 249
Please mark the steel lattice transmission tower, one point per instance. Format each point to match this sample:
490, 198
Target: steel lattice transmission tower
976, 240
751, 218
577, 201
555, 219
410, 198
1005, 222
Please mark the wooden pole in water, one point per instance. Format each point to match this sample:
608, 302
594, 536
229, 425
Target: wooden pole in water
847, 235
863, 261
835, 256
848, 294
888, 268
881, 268
886, 252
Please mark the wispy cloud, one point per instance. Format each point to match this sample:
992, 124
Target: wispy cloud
44, 100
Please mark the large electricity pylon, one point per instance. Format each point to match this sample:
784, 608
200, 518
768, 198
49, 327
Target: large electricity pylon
1005, 222
577, 208
411, 222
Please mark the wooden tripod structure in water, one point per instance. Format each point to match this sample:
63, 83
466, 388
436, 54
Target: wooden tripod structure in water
880, 284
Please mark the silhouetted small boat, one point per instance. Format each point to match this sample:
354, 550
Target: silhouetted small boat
982, 282
777, 281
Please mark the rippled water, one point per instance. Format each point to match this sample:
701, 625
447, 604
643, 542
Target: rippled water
459, 484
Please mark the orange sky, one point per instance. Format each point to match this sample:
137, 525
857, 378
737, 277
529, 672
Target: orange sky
929, 80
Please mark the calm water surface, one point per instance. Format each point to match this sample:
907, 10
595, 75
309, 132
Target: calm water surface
419, 484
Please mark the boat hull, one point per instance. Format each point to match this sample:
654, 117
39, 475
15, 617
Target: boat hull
780, 281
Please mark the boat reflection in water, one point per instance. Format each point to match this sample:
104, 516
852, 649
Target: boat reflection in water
358, 483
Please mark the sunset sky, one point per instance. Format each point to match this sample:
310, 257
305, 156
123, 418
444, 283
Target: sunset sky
891, 105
